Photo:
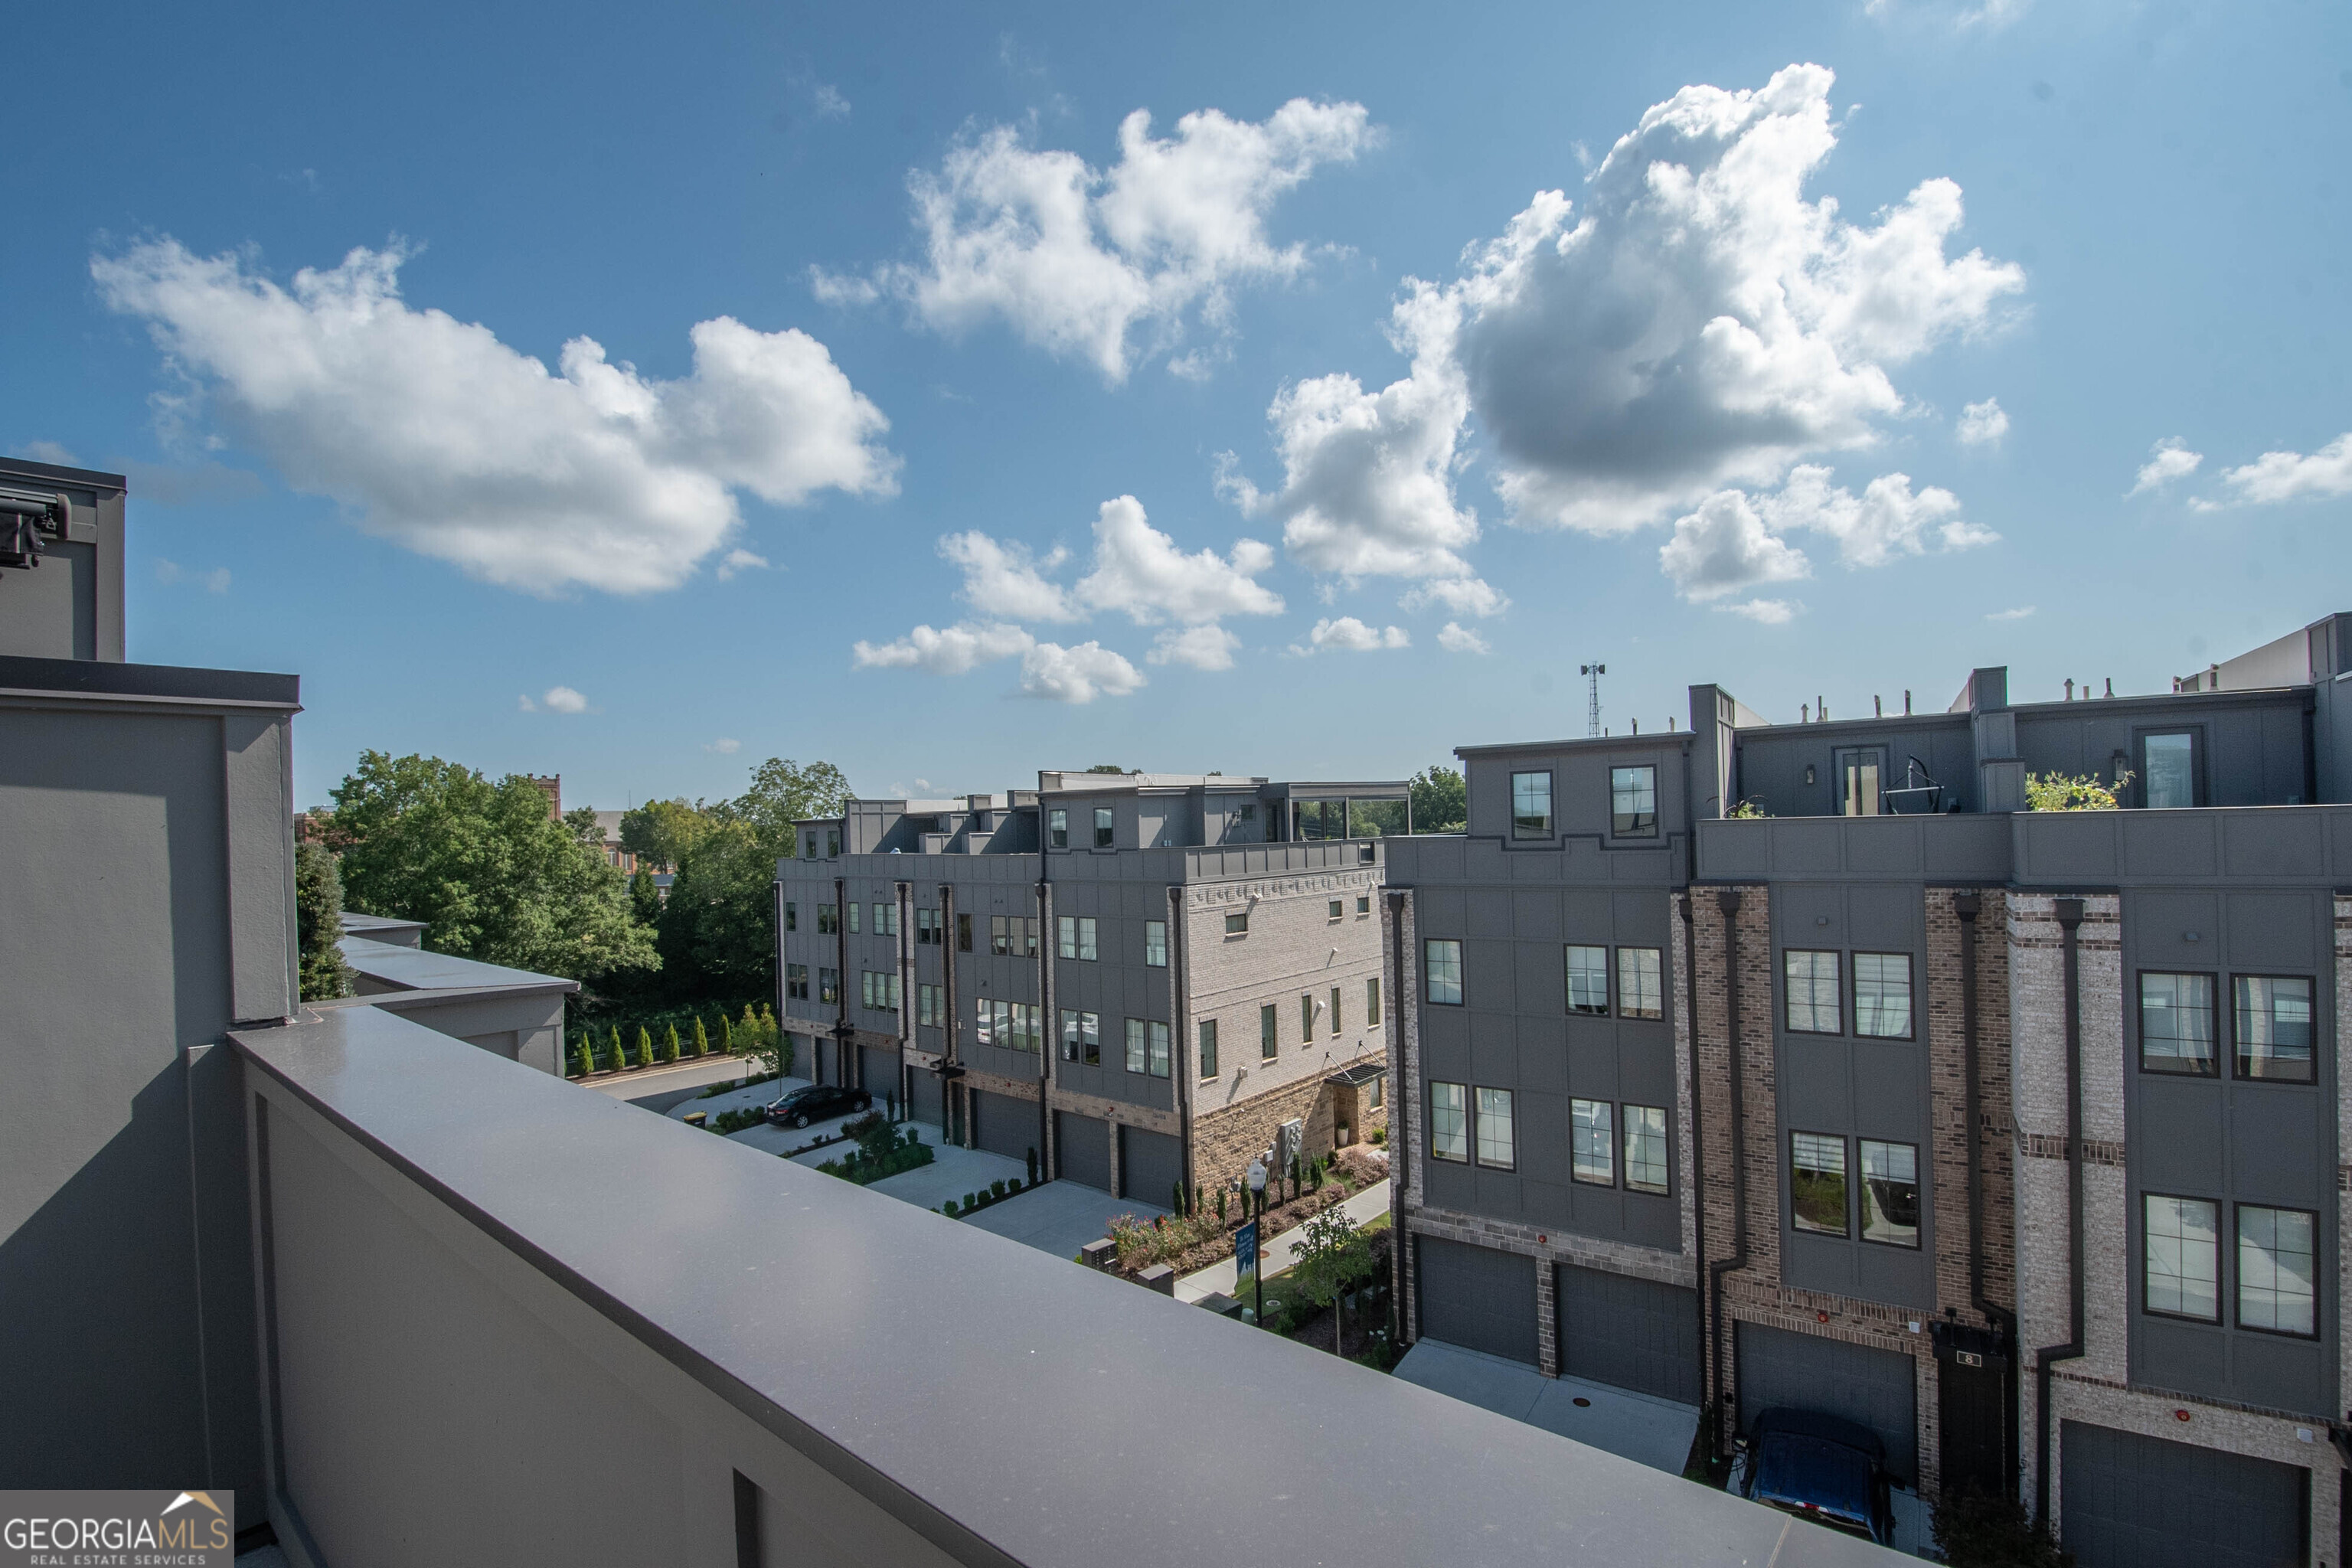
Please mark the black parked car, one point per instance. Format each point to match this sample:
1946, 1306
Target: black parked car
816, 1101
1822, 1469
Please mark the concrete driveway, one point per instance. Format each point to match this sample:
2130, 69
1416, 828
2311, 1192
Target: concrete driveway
1652, 1432
1058, 1217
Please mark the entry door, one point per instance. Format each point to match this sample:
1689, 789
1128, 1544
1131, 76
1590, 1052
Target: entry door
1974, 1424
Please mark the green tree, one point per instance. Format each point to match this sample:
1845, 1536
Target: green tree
662, 831
1440, 801
1975, 1530
481, 864
620, 1057
583, 1059
727, 1034
1332, 1256
1105, 768
645, 899
702, 1037
319, 923
670, 1045
645, 1046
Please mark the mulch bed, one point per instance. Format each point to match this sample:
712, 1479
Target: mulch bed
1273, 1223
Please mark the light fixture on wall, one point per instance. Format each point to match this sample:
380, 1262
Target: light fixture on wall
1809, 772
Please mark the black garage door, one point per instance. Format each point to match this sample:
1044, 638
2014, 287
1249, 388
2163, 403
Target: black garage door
2129, 1501
1477, 1298
1871, 1388
1003, 1125
1149, 1166
881, 1072
1629, 1333
927, 1105
1082, 1144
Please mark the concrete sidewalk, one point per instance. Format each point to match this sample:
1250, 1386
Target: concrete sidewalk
1219, 1279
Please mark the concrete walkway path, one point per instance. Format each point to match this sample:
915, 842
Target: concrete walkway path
1218, 1278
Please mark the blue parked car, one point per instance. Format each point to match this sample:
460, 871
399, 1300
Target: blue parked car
1820, 1468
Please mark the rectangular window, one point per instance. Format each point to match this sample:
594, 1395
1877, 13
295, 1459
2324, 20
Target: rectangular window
1237, 925
1208, 1047
1882, 996
2181, 1256
854, 907
927, 927
1817, 1182
2168, 766
1645, 1147
791, 915
1037, 934
828, 920
1373, 1099
999, 936
1160, 1050
1066, 930
1530, 806
1633, 802
1371, 1004
1306, 1019
796, 982
1339, 909
2277, 1270
866, 988
1335, 1011
1449, 1123
927, 1003
1091, 1039
1890, 1193
1364, 904
2175, 1024
1069, 1034
1268, 1045
2273, 1036
828, 987
1812, 988
1495, 1143
1246, 814
832, 844
885, 920
1155, 945
1135, 1047
812, 847
963, 933
1587, 980
1441, 961
1593, 1141
1641, 992
1057, 824
1105, 831
1088, 950
984, 1023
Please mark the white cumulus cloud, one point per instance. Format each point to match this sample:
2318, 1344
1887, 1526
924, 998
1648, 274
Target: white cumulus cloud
1982, 423
1110, 265
1349, 635
1077, 673
740, 561
1000, 579
1203, 648
437, 434
564, 699
957, 650
725, 745
2287, 476
1726, 547
215, 579
2018, 613
1455, 638
1139, 571
2167, 460
1765, 612
1886, 520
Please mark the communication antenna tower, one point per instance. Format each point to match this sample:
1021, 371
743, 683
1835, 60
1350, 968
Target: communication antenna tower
1592, 674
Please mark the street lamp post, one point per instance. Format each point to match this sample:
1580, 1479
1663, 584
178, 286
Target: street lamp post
1257, 1193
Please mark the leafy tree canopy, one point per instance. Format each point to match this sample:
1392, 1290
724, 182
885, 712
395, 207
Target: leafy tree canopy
662, 831
1440, 801
1105, 768
480, 863
319, 923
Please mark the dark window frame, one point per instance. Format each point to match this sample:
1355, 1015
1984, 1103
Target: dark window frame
1237, 925
1608, 1143
1625, 1008
1429, 972
1843, 758
2212, 1068
1853, 994
1057, 827
1269, 1031
1837, 991
2237, 1060
2222, 1282
1520, 821
1477, 1127
1845, 1176
1469, 1145
1206, 1034
1618, 821
1624, 1145
1860, 1180
1106, 828
1568, 985
2237, 1282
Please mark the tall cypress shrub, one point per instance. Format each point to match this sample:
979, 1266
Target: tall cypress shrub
702, 1037
645, 1046
620, 1057
670, 1045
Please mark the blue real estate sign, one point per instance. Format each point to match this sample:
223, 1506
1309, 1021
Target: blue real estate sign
1246, 1253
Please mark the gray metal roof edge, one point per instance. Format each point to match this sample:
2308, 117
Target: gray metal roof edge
1580, 743
892, 1496
150, 682
95, 478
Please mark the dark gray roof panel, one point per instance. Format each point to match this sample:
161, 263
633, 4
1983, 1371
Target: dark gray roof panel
721, 1258
81, 677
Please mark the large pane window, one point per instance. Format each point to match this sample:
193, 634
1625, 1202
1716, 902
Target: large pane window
1269, 1042
2181, 1256
1496, 1144
1090, 950
1208, 1047
1106, 828
1633, 801
1890, 1193
2175, 1024
1065, 937
1001, 931
1811, 983
1530, 806
1155, 943
852, 917
2168, 764
1091, 1039
1449, 1121
828, 987
2277, 1272
796, 982
828, 920
1817, 1182
1138, 1047
1645, 1147
1442, 965
1882, 996
1159, 1044
927, 1005
1641, 992
1593, 1141
1057, 827
2274, 1029
1069, 1034
1587, 979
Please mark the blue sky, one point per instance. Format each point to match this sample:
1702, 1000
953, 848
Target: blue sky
1310, 435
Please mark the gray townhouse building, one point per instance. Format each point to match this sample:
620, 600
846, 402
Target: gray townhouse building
1756, 1064
1139, 980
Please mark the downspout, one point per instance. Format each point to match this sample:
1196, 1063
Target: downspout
908, 987
2070, 917
841, 1026
1400, 1092
1967, 906
783, 1017
948, 1056
1182, 1061
1698, 1120
1048, 1036
1728, 901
